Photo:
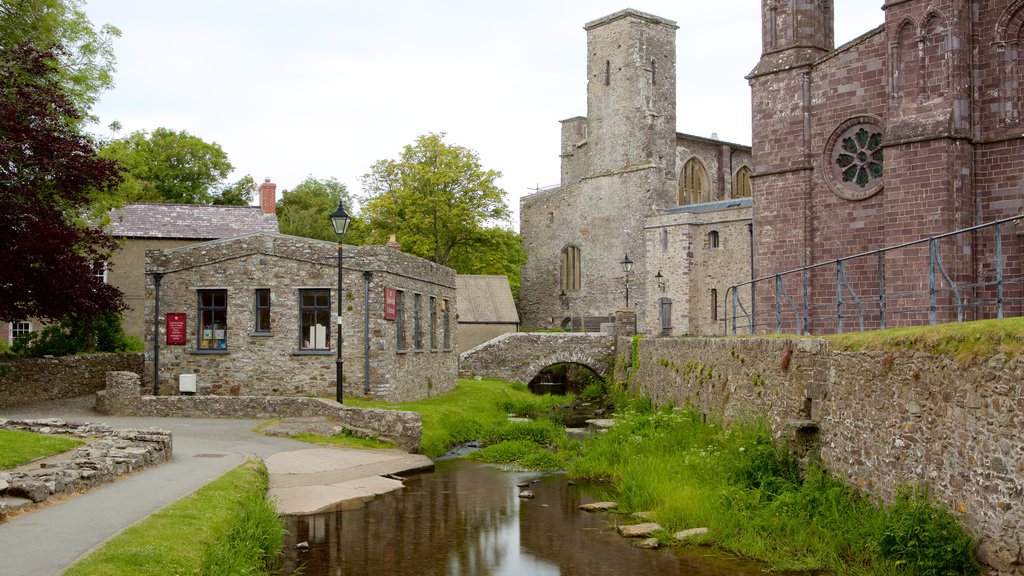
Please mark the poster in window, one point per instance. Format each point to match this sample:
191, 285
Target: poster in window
390, 303
175, 329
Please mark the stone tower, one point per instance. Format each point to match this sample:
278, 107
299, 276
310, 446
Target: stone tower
618, 165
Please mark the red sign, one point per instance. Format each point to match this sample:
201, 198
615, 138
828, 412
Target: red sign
175, 328
390, 303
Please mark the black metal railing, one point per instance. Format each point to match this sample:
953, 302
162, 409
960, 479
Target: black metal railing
981, 277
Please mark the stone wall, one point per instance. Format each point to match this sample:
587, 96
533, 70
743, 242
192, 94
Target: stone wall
108, 454
122, 397
882, 419
271, 362
32, 380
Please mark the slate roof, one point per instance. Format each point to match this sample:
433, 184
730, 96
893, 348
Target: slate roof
714, 206
188, 221
485, 300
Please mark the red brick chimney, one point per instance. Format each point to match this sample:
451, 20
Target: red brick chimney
268, 196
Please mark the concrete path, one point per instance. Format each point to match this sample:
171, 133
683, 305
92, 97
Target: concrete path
50, 539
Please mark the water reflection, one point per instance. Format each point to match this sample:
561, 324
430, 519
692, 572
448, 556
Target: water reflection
466, 519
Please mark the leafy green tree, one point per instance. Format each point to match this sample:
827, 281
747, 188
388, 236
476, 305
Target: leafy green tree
500, 252
239, 193
170, 166
85, 65
302, 211
436, 198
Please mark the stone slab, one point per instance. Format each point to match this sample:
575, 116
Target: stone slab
639, 530
341, 496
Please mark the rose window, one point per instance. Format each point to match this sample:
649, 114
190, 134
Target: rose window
853, 159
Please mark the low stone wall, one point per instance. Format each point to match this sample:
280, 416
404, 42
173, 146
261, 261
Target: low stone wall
876, 420
123, 397
37, 379
103, 460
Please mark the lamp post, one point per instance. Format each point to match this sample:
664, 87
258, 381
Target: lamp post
660, 280
339, 220
627, 265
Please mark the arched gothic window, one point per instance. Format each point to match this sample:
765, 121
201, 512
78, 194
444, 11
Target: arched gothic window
570, 269
693, 183
741, 183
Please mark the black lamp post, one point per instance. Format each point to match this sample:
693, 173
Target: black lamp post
339, 220
627, 265
660, 280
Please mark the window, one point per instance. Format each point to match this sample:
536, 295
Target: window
433, 323
400, 320
446, 339
417, 323
315, 319
570, 269
213, 320
713, 241
741, 183
693, 183
99, 270
607, 72
714, 305
262, 310
19, 329
664, 239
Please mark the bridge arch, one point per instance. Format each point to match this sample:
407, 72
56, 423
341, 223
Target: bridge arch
519, 357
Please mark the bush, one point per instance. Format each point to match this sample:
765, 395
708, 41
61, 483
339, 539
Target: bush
73, 336
542, 432
925, 538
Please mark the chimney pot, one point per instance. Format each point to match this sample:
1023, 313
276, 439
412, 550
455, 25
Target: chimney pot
393, 244
268, 196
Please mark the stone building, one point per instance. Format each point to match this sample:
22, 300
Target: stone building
143, 226
911, 130
678, 205
486, 309
256, 315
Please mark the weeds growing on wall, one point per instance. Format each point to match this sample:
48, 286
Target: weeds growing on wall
751, 495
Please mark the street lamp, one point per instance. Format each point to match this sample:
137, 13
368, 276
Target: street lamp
339, 220
627, 265
660, 280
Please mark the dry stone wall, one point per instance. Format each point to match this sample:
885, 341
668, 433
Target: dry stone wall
32, 380
876, 420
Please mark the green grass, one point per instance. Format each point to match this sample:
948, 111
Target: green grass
751, 495
226, 527
965, 342
475, 409
18, 447
344, 440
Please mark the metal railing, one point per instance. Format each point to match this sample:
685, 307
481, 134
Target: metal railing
878, 289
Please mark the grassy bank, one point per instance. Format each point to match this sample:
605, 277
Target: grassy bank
755, 502
965, 342
475, 410
18, 447
226, 527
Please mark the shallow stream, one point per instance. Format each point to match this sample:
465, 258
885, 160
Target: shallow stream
467, 519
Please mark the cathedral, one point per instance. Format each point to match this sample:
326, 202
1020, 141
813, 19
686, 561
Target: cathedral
911, 130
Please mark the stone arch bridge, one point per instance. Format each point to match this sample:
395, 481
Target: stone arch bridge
520, 356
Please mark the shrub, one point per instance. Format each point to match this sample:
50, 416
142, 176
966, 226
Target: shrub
505, 452
542, 432
925, 538
74, 335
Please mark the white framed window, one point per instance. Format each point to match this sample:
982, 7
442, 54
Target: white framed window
18, 329
99, 270
315, 319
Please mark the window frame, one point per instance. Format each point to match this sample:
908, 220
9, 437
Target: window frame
316, 309
433, 323
102, 272
694, 183
14, 332
446, 333
417, 322
714, 240
570, 275
257, 308
742, 187
400, 341
213, 308
714, 304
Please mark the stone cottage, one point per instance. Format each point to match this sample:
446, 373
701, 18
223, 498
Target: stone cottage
257, 315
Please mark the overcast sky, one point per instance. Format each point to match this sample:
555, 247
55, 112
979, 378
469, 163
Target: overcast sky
328, 87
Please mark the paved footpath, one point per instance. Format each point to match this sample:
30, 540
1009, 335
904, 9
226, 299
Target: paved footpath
52, 538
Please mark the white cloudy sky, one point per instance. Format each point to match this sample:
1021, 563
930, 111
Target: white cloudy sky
327, 87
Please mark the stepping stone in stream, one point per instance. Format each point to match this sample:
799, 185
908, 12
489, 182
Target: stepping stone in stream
646, 543
638, 530
683, 535
599, 506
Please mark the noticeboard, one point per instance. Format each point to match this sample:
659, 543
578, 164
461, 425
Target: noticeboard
175, 329
390, 303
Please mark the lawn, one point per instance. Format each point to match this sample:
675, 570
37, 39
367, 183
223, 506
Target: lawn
18, 447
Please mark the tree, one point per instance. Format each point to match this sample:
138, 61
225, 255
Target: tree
239, 193
500, 251
85, 66
303, 210
47, 168
168, 166
437, 199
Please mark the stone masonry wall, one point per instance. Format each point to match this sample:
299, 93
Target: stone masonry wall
32, 380
123, 398
883, 419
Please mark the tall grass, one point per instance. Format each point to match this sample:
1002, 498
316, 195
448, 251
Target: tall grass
473, 410
753, 498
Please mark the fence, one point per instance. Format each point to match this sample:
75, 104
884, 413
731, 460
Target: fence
973, 273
